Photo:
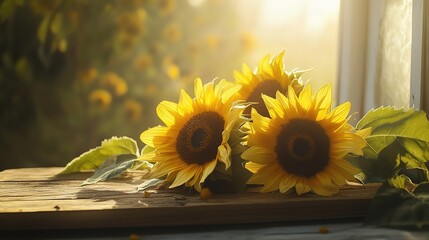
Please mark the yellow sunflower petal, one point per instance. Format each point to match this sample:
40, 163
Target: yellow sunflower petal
288, 182
163, 168
302, 187
264, 64
278, 63
292, 98
166, 111
259, 155
305, 97
230, 92
339, 114
207, 170
323, 100
273, 183
224, 153
184, 175
253, 167
263, 174
154, 136
198, 89
185, 103
197, 177
323, 190
273, 106
260, 122
282, 100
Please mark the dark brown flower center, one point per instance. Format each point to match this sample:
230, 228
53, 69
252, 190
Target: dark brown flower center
268, 87
302, 147
200, 137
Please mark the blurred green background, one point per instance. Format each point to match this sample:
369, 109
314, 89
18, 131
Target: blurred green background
74, 72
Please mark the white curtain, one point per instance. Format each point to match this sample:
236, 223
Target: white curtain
394, 55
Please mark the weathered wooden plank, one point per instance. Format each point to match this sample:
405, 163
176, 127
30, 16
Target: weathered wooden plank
37, 199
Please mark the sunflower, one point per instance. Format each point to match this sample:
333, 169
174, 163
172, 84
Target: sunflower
133, 110
117, 83
303, 143
100, 98
269, 77
195, 138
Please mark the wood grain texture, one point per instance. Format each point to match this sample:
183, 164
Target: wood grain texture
35, 198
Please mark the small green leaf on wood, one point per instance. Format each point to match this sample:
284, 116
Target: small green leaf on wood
149, 183
110, 169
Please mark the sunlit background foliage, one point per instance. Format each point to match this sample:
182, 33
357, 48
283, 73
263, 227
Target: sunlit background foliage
74, 72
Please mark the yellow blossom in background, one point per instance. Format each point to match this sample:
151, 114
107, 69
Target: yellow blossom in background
88, 76
131, 27
142, 61
195, 138
173, 32
166, 7
268, 78
132, 22
248, 41
115, 82
173, 71
212, 41
302, 144
62, 45
100, 98
133, 110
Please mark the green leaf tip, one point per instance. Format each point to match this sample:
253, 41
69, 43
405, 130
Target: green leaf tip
109, 170
95, 157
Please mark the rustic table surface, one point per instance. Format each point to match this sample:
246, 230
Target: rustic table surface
38, 202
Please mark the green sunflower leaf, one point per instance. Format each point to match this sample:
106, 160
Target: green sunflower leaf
110, 169
119, 146
399, 140
234, 179
95, 157
89, 160
378, 167
396, 207
388, 125
149, 183
147, 149
400, 181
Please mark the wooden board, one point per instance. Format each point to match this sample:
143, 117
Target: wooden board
35, 198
